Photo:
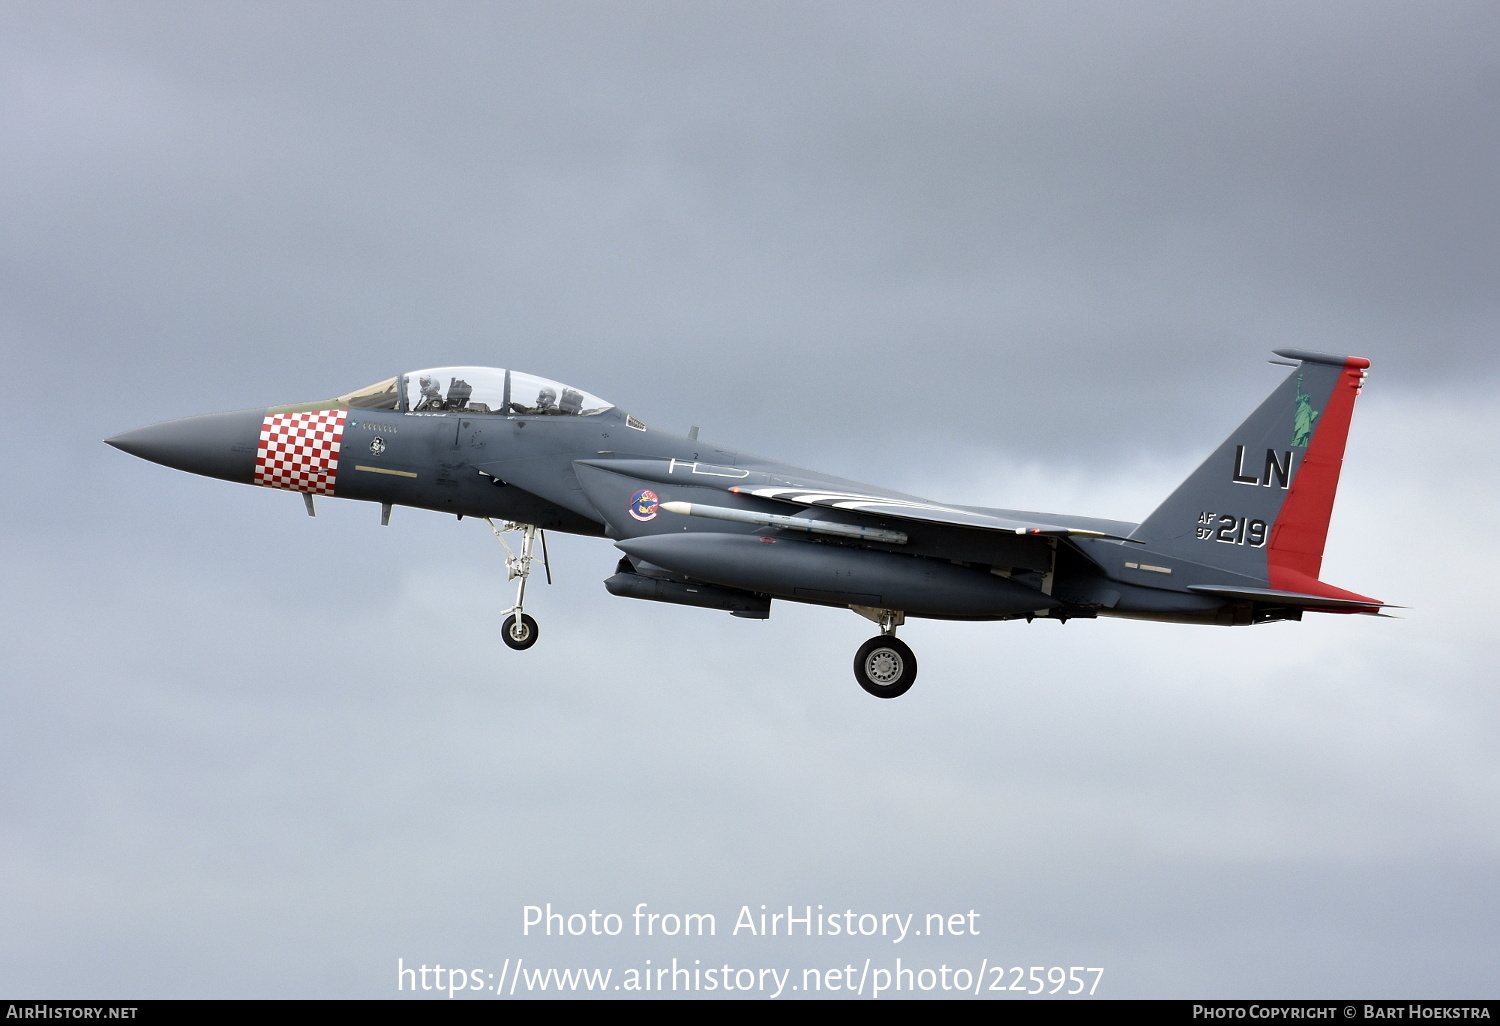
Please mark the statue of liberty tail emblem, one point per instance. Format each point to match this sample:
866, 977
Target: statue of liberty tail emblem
1302, 423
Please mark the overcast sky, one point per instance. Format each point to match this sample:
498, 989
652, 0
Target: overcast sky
1023, 255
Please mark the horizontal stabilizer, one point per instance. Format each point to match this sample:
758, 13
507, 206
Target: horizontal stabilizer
1344, 601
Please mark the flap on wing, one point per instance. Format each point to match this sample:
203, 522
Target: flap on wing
926, 512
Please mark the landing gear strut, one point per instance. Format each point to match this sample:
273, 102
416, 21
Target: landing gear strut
519, 631
884, 666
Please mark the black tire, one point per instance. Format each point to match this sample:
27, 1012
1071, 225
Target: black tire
519, 634
885, 667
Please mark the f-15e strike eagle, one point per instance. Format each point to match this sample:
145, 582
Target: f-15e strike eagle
1239, 542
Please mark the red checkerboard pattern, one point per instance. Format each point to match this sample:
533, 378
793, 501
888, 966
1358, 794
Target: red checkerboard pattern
300, 451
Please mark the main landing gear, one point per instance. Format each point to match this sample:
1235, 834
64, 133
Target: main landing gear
519, 631
884, 666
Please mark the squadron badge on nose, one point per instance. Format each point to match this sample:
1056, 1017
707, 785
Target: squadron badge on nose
643, 505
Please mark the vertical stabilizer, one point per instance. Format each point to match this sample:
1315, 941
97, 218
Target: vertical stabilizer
1260, 505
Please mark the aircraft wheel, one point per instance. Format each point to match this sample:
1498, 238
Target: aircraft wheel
519, 633
885, 667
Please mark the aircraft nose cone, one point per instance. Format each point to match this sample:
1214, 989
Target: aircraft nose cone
215, 445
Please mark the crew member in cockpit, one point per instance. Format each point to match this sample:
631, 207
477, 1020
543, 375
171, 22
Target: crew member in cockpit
546, 402
432, 396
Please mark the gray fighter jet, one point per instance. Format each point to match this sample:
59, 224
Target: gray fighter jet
1239, 542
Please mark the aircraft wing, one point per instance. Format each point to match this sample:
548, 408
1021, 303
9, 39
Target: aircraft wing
903, 508
806, 490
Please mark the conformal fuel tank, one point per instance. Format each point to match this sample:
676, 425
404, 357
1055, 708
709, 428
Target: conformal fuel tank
837, 575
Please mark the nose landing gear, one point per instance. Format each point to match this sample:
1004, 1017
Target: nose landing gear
884, 666
519, 631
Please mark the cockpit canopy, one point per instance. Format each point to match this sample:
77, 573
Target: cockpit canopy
481, 390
